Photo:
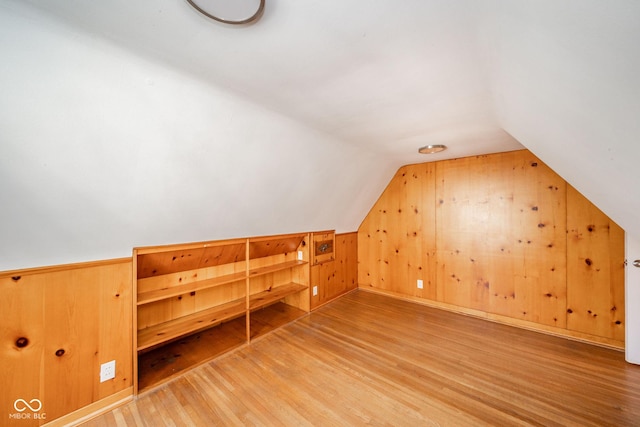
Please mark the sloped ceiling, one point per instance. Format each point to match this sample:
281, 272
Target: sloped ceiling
386, 76
152, 122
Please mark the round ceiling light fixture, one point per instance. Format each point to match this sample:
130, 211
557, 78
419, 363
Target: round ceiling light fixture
230, 11
432, 149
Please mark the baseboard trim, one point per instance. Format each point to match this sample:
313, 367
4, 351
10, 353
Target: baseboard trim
94, 409
549, 330
333, 298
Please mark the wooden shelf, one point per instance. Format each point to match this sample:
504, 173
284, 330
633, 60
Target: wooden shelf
163, 332
164, 363
270, 318
261, 271
172, 291
275, 294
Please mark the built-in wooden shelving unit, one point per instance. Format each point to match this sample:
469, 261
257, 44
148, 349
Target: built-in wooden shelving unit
196, 301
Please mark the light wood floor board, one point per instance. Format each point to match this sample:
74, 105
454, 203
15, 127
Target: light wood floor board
370, 359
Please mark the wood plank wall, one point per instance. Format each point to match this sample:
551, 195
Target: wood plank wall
58, 325
498, 236
595, 277
337, 277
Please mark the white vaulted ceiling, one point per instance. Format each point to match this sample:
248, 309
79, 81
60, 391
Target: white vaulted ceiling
385, 75
148, 120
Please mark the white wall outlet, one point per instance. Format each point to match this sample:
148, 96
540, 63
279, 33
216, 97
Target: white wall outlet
300, 255
315, 291
107, 371
420, 284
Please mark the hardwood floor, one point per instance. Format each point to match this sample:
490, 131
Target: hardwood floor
371, 359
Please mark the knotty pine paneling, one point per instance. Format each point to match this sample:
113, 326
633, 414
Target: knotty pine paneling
397, 239
58, 325
22, 340
595, 296
488, 236
192, 257
337, 277
500, 238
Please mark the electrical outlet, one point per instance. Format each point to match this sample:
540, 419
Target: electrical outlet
300, 255
107, 371
315, 291
420, 284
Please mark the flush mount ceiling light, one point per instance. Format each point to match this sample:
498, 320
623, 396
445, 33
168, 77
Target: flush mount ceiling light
230, 11
432, 149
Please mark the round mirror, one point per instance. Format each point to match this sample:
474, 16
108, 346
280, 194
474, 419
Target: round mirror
230, 11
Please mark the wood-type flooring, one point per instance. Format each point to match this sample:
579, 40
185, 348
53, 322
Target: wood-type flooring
368, 359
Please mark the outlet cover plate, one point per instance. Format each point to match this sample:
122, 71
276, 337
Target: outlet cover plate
107, 371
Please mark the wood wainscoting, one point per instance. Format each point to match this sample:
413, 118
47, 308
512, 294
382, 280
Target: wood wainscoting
59, 324
368, 359
337, 276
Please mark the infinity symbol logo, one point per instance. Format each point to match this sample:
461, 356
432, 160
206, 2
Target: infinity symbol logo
24, 405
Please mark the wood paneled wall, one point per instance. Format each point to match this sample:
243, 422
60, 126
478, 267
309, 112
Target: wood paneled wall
595, 291
58, 325
500, 236
337, 277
